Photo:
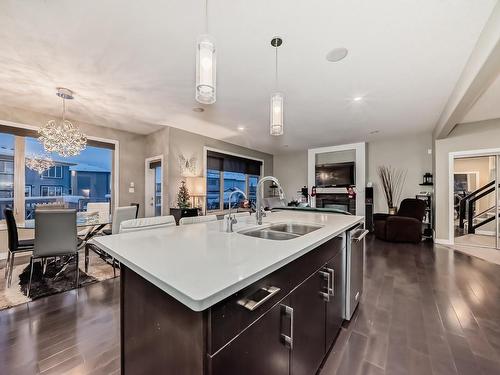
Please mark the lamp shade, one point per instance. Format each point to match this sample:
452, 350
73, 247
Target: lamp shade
196, 186
276, 114
205, 70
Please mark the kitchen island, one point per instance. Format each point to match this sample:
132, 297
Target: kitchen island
197, 300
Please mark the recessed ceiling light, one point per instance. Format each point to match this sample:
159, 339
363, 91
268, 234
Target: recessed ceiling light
357, 98
375, 132
198, 109
336, 54
241, 128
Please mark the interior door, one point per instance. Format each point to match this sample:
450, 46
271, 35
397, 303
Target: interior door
308, 302
154, 186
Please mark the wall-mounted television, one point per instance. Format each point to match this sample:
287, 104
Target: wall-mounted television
335, 175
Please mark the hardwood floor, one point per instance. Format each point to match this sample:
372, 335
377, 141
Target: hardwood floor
426, 310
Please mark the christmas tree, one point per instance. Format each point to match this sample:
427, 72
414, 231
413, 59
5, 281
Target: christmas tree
183, 196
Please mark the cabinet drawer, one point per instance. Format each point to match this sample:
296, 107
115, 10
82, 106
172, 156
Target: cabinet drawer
228, 318
256, 351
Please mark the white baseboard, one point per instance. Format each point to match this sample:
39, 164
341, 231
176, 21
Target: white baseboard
442, 241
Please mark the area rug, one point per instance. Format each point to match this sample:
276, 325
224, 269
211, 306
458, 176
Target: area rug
51, 283
40, 287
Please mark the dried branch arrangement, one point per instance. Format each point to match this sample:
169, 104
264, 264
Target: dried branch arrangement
393, 180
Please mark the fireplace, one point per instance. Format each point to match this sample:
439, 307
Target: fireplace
338, 201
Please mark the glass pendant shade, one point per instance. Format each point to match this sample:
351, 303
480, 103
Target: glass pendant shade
205, 70
276, 114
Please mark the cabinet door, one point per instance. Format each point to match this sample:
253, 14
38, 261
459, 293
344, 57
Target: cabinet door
260, 349
334, 306
309, 325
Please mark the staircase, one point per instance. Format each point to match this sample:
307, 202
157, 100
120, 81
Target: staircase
469, 219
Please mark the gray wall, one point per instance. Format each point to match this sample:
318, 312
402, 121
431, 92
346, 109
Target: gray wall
291, 170
465, 137
172, 143
410, 153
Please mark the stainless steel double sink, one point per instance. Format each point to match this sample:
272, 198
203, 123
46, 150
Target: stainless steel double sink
281, 231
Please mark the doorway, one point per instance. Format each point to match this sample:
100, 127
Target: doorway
154, 186
475, 200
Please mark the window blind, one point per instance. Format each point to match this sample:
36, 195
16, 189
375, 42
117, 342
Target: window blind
230, 163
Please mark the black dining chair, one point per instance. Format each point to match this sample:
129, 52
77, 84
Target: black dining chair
15, 244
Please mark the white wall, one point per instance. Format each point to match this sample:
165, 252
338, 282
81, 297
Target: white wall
402, 152
465, 137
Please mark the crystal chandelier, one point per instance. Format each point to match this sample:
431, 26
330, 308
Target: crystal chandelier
276, 120
205, 66
62, 137
39, 163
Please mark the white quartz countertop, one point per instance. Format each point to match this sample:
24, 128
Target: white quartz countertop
200, 265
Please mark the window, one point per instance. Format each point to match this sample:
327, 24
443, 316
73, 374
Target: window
7, 167
252, 188
233, 181
51, 191
225, 174
6, 172
74, 180
213, 190
53, 172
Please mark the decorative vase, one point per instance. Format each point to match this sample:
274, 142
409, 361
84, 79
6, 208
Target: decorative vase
393, 210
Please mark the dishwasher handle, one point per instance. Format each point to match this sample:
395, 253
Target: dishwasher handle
359, 235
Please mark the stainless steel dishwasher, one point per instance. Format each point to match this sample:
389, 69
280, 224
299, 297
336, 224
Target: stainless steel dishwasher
354, 268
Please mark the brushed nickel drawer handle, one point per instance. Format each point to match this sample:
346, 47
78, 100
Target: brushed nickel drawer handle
328, 277
251, 304
331, 288
288, 340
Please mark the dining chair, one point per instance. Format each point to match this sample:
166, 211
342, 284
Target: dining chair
197, 219
146, 223
102, 208
120, 214
14, 243
55, 236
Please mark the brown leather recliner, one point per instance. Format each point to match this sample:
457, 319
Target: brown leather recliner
405, 226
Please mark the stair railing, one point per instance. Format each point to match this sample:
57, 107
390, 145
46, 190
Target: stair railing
466, 209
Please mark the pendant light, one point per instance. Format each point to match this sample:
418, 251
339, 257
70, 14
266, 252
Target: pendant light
276, 123
62, 137
205, 66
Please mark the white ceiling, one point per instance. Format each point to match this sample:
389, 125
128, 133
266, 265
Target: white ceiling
487, 106
131, 64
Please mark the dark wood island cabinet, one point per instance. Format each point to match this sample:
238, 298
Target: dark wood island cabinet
284, 323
